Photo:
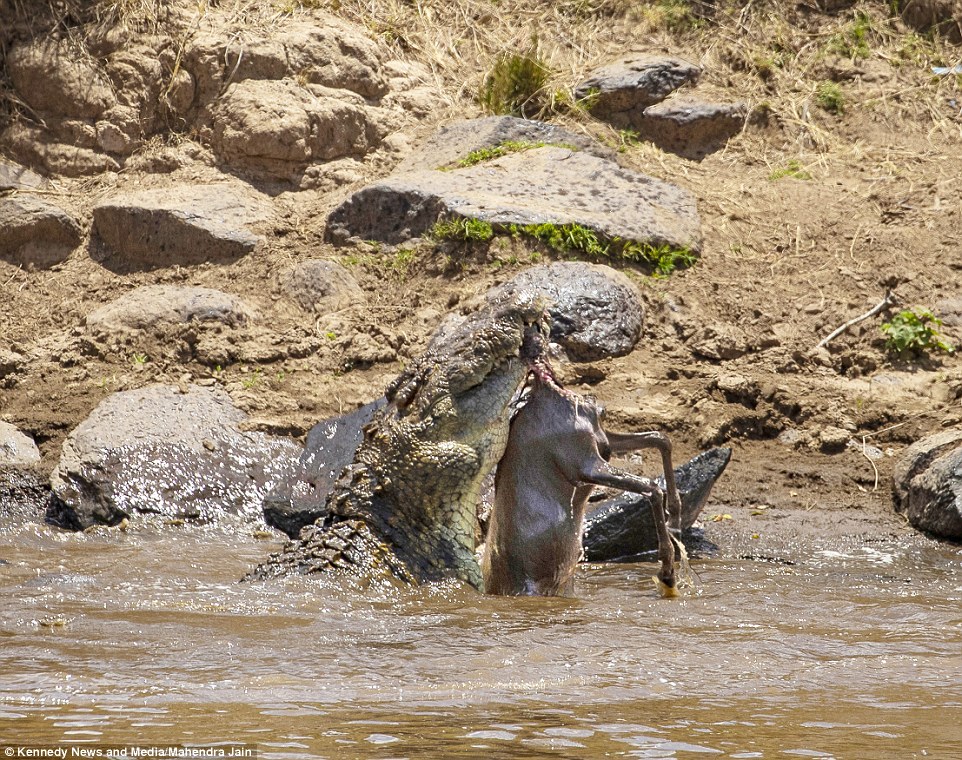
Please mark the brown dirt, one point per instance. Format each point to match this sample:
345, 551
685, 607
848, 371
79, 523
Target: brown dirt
726, 356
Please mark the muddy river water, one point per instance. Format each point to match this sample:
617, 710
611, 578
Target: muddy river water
146, 638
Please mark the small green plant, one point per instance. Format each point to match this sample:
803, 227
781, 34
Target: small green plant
852, 40
793, 169
504, 148
253, 380
516, 84
462, 228
663, 258
568, 237
829, 96
401, 262
914, 331
138, 360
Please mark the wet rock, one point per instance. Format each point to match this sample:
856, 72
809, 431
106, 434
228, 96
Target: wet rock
620, 92
55, 77
927, 484
186, 224
321, 287
34, 232
595, 310
16, 449
324, 51
690, 127
941, 16
159, 451
153, 306
16, 177
536, 186
300, 498
623, 526
278, 128
454, 141
24, 495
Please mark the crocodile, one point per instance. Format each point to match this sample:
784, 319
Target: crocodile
406, 507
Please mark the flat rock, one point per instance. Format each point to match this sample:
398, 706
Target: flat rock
16, 448
16, 177
620, 92
321, 287
157, 450
595, 310
532, 187
185, 224
34, 232
927, 484
153, 306
690, 127
453, 142
278, 128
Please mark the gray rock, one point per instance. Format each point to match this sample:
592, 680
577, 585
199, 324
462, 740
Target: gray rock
300, 498
16, 449
152, 306
595, 310
159, 451
16, 177
541, 185
927, 484
24, 495
321, 287
187, 224
621, 91
34, 232
454, 141
689, 127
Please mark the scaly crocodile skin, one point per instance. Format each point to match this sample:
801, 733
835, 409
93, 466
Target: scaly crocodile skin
407, 506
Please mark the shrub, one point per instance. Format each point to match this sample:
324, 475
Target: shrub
516, 84
830, 97
914, 331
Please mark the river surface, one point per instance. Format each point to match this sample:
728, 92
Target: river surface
146, 638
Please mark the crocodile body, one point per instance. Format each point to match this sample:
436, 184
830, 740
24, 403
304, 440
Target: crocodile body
406, 506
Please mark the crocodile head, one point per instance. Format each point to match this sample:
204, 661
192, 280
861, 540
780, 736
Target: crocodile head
417, 474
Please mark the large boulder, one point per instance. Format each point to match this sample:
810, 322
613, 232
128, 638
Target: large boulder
454, 142
595, 310
181, 224
158, 450
34, 232
536, 186
620, 92
928, 484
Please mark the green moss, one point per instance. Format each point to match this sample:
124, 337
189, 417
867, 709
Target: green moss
830, 97
793, 168
462, 228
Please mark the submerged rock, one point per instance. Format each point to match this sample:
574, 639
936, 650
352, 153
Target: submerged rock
160, 451
928, 484
543, 185
623, 526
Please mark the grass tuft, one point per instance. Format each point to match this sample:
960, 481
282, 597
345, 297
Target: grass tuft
516, 84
